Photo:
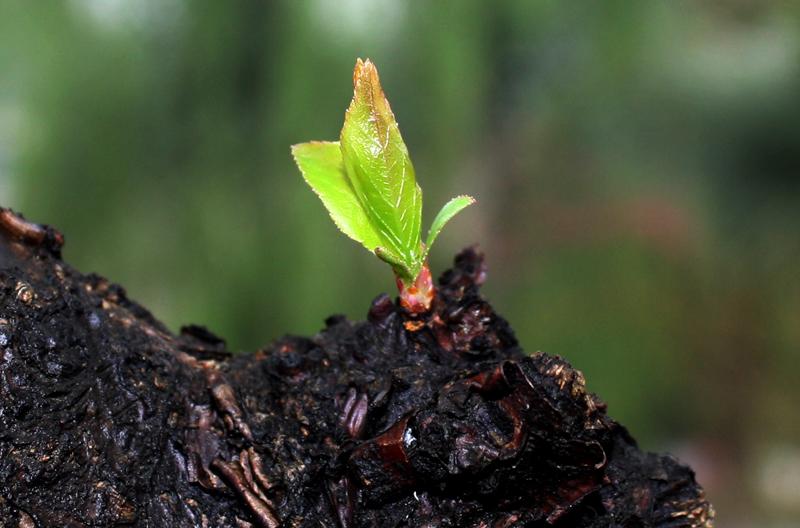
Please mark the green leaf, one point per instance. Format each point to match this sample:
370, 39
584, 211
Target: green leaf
450, 209
379, 168
367, 183
320, 162
401, 269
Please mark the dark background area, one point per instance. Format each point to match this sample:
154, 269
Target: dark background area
637, 166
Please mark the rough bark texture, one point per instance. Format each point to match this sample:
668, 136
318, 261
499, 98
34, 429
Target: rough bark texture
108, 419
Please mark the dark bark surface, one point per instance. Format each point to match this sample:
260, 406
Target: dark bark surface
108, 419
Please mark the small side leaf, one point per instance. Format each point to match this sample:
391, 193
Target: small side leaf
450, 209
321, 164
400, 268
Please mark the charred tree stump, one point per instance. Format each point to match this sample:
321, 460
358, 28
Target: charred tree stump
108, 419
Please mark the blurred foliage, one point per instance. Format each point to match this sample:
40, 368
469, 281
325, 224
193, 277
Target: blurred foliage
637, 166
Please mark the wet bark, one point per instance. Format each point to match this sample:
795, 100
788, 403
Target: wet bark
441, 420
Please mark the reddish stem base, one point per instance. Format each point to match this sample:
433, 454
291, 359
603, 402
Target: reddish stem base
417, 297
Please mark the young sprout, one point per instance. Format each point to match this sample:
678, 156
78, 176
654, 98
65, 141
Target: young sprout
366, 181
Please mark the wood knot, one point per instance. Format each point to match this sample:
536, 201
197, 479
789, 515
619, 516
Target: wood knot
29, 233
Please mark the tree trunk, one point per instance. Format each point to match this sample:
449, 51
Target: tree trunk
439, 420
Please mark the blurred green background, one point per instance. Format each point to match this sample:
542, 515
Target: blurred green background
637, 166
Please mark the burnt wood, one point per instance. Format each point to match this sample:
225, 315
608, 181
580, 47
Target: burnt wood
109, 419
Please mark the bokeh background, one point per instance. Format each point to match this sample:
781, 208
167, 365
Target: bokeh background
637, 166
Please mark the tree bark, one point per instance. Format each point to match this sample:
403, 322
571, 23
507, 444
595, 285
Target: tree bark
436, 420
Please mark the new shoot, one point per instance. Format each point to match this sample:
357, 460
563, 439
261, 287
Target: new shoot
366, 181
